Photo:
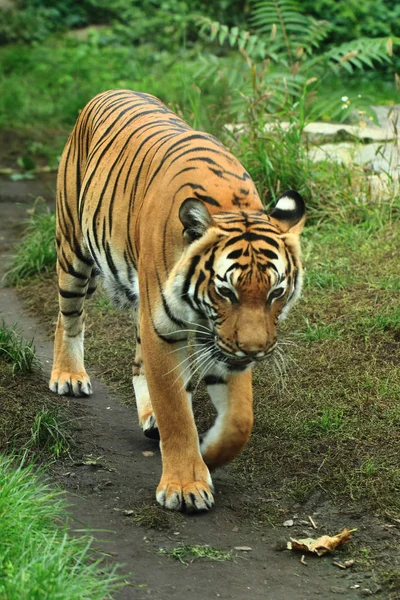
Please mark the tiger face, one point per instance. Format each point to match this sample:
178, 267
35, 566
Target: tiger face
239, 276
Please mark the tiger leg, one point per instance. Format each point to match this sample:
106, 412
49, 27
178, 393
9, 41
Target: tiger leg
233, 398
75, 281
147, 420
185, 480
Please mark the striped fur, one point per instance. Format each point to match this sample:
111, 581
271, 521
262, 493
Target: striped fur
167, 215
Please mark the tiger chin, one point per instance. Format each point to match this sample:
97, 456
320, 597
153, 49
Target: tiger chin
174, 225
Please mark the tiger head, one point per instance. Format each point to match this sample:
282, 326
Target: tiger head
239, 274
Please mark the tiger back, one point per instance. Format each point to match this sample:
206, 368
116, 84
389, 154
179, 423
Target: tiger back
174, 225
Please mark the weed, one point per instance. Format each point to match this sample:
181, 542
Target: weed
102, 303
320, 332
14, 350
369, 468
194, 552
276, 159
49, 433
36, 252
382, 320
365, 552
330, 421
392, 579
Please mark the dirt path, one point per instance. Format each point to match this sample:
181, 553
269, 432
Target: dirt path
125, 478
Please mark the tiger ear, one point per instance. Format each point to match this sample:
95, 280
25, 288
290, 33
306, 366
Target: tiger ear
195, 219
289, 212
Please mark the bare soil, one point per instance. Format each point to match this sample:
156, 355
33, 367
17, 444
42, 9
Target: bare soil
114, 469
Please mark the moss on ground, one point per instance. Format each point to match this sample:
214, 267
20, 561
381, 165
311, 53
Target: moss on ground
153, 517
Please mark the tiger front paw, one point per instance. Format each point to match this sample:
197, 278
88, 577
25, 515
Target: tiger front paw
195, 496
64, 383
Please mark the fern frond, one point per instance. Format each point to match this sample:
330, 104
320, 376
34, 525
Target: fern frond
357, 54
293, 29
244, 40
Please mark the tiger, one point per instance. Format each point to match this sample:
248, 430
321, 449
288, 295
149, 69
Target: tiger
173, 224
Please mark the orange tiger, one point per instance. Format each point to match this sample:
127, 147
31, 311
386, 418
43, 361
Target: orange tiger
173, 224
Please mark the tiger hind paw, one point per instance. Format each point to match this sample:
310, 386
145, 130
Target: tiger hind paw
150, 428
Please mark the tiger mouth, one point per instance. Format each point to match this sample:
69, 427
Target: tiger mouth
222, 356
235, 360
241, 362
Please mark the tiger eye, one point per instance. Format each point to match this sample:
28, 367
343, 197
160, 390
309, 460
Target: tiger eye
228, 293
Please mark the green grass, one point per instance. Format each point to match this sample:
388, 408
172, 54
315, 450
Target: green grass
190, 553
330, 421
48, 84
30, 417
17, 352
49, 433
320, 331
39, 560
36, 252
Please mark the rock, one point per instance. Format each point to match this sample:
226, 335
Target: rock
281, 545
319, 132
340, 153
338, 590
7, 4
380, 158
387, 115
288, 523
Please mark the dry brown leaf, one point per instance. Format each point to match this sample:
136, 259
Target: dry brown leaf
321, 545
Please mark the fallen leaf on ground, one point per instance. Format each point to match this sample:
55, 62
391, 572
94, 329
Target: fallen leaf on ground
321, 545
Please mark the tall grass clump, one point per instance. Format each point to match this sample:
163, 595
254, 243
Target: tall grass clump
36, 252
16, 351
49, 433
39, 560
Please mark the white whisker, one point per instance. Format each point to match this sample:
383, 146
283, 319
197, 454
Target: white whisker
185, 347
204, 371
200, 361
